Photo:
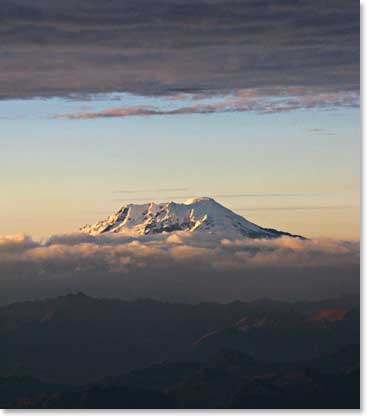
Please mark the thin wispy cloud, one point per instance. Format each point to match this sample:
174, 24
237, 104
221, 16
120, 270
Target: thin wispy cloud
222, 196
139, 191
240, 102
134, 191
321, 132
171, 189
299, 208
240, 195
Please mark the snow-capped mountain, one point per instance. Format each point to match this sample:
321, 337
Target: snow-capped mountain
202, 216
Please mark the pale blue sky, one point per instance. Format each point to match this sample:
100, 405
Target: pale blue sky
57, 174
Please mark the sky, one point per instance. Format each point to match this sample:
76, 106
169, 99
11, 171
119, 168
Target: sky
254, 103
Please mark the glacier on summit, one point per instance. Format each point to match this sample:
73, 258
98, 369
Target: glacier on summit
201, 216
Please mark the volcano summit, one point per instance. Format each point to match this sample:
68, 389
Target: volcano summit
202, 216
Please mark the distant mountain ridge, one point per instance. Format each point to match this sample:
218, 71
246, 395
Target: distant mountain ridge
202, 216
57, 340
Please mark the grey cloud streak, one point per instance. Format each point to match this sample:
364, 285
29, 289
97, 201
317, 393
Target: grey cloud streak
53, 48
253, 102
140, 191
304, 208
224, 196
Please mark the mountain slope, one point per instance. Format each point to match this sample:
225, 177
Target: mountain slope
202, 216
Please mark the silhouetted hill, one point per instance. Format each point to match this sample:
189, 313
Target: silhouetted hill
18, 388
99, 398
229, 379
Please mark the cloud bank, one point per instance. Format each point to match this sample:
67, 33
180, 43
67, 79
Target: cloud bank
53, 48
176, 267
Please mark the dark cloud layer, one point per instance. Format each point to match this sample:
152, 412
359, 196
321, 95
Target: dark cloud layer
52, 47
177, 267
